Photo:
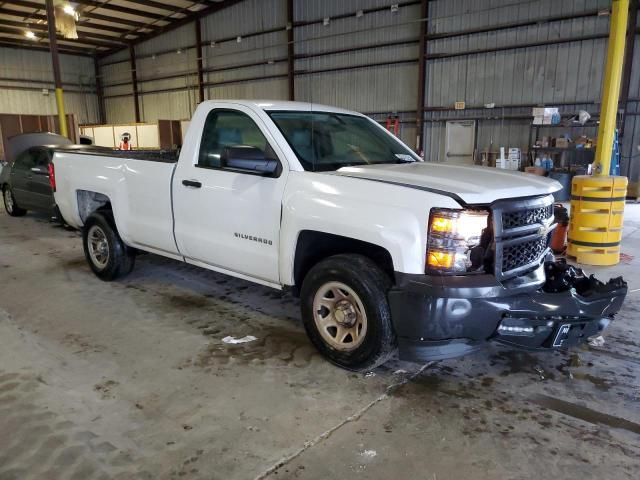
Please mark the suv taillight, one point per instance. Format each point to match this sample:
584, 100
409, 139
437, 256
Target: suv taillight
52, 176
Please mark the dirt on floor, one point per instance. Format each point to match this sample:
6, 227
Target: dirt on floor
131, 380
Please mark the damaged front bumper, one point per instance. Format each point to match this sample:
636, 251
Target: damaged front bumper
555, 306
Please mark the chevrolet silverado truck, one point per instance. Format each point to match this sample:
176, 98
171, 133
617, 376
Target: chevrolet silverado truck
387, 252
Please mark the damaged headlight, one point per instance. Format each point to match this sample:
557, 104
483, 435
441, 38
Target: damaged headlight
454, 240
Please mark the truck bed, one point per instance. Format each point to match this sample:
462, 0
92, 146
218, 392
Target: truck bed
136, 183
164, 156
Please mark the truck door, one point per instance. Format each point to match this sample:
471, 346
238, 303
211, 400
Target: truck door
224, 218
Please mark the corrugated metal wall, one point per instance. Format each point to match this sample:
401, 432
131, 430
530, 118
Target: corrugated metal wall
263, 71
360, 84
24, 73
369, 62
570, 72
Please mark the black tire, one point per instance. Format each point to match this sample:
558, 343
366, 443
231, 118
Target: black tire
371, 285
120, 258
11, 207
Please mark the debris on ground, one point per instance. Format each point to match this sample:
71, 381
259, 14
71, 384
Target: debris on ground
540, 371
400, 372
370, 374
233, 340
596, 341
369, 453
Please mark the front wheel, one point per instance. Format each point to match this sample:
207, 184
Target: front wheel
346, 313
106, 253
10, 204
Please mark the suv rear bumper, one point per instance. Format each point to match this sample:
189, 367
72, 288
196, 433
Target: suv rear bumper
444, 317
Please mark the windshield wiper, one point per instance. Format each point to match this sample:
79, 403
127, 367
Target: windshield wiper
405, 160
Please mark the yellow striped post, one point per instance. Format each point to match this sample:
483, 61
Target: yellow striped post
597, 202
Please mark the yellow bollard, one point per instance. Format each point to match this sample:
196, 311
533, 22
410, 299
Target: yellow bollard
597, 211
597, 203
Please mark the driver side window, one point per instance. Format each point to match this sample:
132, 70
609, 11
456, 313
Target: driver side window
227, 128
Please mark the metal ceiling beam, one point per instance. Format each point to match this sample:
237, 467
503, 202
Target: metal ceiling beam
28, 45
212, 8
88, 41
21, 27
120, 9
6, 10
96, 16
159, 5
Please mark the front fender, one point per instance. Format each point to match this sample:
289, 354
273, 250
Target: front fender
390, 216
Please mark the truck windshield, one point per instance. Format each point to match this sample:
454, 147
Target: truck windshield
325, 141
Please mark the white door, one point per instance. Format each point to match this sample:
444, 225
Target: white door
228, 219
460, 142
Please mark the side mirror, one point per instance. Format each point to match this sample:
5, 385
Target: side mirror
40, 170
248, 159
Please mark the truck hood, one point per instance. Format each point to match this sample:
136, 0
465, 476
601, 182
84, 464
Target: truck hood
472, 185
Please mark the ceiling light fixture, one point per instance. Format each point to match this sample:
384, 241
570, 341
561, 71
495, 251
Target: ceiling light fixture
69, 10
30, 35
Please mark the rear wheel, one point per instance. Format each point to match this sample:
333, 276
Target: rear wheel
106, 253
10, 204
346, 313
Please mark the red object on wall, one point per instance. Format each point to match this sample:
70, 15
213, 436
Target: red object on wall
393, 125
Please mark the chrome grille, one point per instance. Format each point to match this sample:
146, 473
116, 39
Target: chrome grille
516, 256
521, 234
529, 216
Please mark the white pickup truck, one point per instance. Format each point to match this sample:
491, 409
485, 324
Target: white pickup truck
386, 251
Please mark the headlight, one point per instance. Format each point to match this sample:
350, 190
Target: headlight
453, 238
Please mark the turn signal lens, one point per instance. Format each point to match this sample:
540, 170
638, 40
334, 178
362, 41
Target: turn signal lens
440, 259
441, 224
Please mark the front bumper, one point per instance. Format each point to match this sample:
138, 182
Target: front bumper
443, 317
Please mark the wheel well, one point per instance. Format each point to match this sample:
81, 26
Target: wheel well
90, 202
313, 247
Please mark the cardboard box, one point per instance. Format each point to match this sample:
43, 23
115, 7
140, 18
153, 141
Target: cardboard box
536, 171
543, 115
562, 142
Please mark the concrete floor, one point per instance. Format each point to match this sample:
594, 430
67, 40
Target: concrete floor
131, 380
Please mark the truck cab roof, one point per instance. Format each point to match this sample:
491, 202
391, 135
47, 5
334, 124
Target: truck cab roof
282, 105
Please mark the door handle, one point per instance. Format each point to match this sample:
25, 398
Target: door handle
192, 183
